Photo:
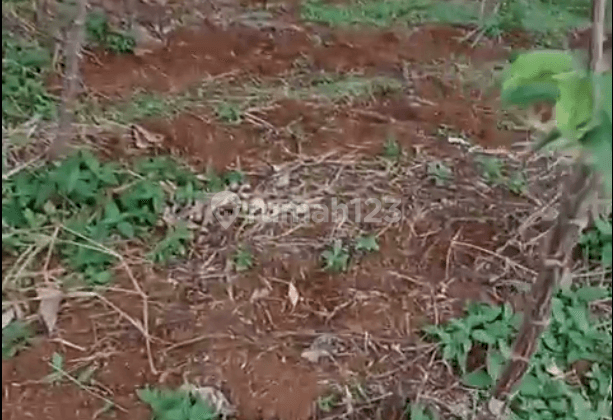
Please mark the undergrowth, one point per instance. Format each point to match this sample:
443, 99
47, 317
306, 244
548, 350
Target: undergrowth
554, 387
100, 33
548, 20
178, 404
24, 67
92, 205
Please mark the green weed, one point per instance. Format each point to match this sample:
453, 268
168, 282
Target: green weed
391, 149
229, 113
336, 258
573, 335
243, 259
99, 32
440, 173
24, 67
550, 21
367, 243
96, 204
416, 411
15, 337
491, 169
176, 405
597, 242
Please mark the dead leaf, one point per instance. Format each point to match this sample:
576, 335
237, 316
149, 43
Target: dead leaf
7, 317
313, 355
293, 294
50, 299
259, 294
144, 139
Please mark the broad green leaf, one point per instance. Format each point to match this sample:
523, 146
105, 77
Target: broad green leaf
479, 379
539, 64
598, 143
591, 293
483, 337
530, 93
126, 229
530, 386
495, 362
574, 107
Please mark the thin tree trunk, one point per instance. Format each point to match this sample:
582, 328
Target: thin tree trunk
72, 56
560, 242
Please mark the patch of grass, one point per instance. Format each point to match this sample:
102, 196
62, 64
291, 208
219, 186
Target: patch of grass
92, 205
440, 173
574, 335
169, 404
15, 337
100, 33
597, 242
24, 67
336, 258
549, 20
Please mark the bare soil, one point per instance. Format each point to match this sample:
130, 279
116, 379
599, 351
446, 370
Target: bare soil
207, 326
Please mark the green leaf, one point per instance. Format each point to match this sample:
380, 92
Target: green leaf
483, 337
367, 243
495, 362
575, 104
530, 93
478, 379
530, 386
598, 143
126, 229
591, 293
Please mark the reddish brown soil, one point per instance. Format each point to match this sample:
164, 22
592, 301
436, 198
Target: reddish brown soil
250, 349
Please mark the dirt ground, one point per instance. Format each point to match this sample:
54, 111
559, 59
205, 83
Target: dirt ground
239, 332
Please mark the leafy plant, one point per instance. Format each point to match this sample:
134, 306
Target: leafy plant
491, 169
229, 113
336, 258
99, 31
97, 204
555, 76
243, 259
416, 411
597, 243
517, 183
367, 243
57, 369
24, 67
15, 337
440, 173
176, 405
173, 244
391, 149
573, 335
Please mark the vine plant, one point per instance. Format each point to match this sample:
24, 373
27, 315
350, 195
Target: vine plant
581, 97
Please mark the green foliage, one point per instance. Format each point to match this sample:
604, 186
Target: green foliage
416, 411
391, 149
580, 122
176, 405
573, 335
336, 258
57, 369
597, 243
99, 204
491, 169
367, 243
548, 20
100, 32
24, 67
229, 113
243, 259
15, 336
440, 173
